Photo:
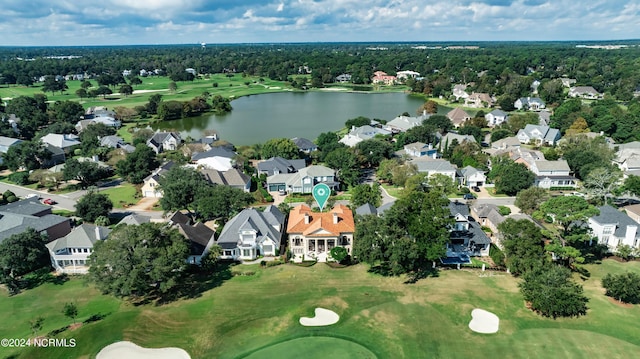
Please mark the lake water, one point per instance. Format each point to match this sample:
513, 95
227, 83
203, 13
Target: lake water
257, 118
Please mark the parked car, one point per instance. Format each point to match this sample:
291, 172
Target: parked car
49, 201
32, 195
475, 188
469, 196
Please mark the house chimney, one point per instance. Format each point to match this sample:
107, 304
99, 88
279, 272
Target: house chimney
630, 235
335, 218
98, 234
353, 128
307, 218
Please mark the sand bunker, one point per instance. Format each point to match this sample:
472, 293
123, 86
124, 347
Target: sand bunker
484, 322
129, 350
323, 317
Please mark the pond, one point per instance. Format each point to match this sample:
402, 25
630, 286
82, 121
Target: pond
257, 118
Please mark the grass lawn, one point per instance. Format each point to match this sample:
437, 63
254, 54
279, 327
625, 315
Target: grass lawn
393, 191
257, 315
121, 195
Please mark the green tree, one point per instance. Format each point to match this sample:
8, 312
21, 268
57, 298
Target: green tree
154, 102
90, 137
85, 84
173, 86
551, 292
104, 91
602, 181
339, 253
82, 93
20, 254
511, 177
139, 261
345, 163
86, 172
66, 111
221, 104
583, 154
70, 310
93, 205
370, 152
27, 154
523, 245
568, 210
441, 183
170, 110
137, 165
135, 81
126, 90
632, 185
282, 147
530, 199
624, 287
365, 193
221, 202
357, 122
180, 187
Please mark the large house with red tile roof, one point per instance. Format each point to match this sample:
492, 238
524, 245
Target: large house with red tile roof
312, 235
381, 77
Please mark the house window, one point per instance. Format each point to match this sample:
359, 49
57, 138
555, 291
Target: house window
312, 245
344, 241
297, 241
331, 243
246, 253
268, 249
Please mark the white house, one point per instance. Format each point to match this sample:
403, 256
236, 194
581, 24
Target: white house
459, 92
614, 228
164, 141
550, 174
362, 133
403, 75
472, 177
419, 149
529, 103
403, 123
495, 118
586, 92
252, 233
70, 254
431, 167
540, 135
303, 180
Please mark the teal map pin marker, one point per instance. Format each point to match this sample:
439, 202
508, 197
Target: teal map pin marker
321, 193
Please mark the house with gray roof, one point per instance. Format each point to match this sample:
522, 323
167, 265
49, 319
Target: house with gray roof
252, 233
277, 165
419, 149
496, 117
151, 184
201, 238
218, 158
164, 141
70, 254
586, 92
64, 142
541, 135
303, 180
552, 174
6, 142
431, 167
472, 177
466, 237
447, 140
304, 144
362, 133
529, 104
614, 228
135, 220
17, 217
232, 178
403, 123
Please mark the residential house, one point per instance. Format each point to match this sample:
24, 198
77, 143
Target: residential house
458, 117
312, 235
466, 236
633, 211
404, 75
56, 156
627, 158
151, 184
218, 158
526, 156
201, 238
529, 104
252, 233
70, 254
487, 215
496, 118
431, 167
503, 146
381, 77
98, 111
7, 142
65, 142
191, 71
164, 141
277, 165
105, 120
233, 178
404, 123
419, 149
586, 92
544, 118
614, 228
539, 135
472, 177
134, 220
304, 145
342, 78
303, 180
553, 174
362, 133
368, 209
534, 86
451, 137
479, 100
459, 92
18, 216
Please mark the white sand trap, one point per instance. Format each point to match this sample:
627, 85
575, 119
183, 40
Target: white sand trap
484, 322
323, 317
129, 350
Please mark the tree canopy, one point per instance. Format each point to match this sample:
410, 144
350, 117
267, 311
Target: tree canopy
280, 147
523, 245
93, 205
180, 187
136, 166
624, 287
511, 177
21, 254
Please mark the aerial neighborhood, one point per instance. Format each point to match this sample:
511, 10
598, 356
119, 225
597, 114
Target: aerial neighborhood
522, 173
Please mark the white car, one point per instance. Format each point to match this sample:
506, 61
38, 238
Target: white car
32, 195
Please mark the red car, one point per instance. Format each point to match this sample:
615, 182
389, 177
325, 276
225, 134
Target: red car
49, 201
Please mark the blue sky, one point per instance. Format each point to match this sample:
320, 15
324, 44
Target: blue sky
129, 22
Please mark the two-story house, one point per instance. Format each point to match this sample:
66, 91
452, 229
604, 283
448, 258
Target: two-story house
164, 141
419, 149
303, 180
466, 236
472, 177
496, 118
70, 254
551, 174
539, 135
431, 167
252, 233
362, 133
614, 228
529, 103
404, 123
312, 235
479, 100
458, 117
151, 185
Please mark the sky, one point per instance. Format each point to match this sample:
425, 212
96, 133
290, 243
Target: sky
133, 22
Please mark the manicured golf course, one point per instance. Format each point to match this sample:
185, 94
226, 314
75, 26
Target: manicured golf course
254, 316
